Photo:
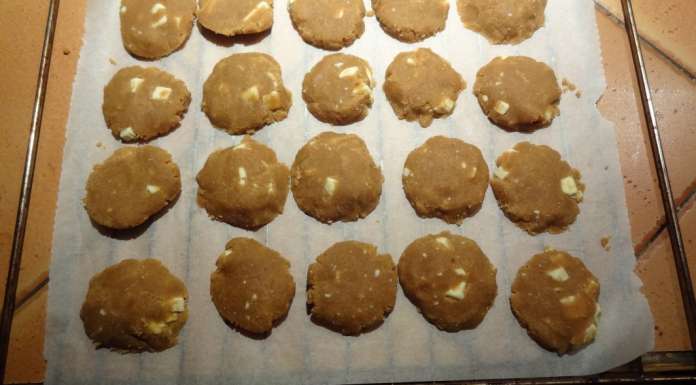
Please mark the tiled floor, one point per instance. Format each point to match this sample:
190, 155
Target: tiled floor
667, 24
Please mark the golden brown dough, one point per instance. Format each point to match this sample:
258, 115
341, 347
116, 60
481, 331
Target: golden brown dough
328, 24
411, 20
503, 21
236, 17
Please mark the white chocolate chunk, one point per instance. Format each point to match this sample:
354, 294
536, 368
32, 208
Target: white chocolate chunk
246, 305
162, 21
501, 107
177, 20
500, 172
102, 312
457, 292
128, 134
411, 61
473, 172
123, 9
369, 76
272, 100
445, 106
339, 14
156, 327
251, 94
484, 98
362, 89
568, 186
463, 164
407, 172
161, 93
350, 71
242, 176
444, 242
152, 189
330, 185
460, 271
178, 304
377, 272
558, 274
135, 83
157, 7
568, 300
227, 252
273, 78
338, 65
240, 146
263, 5
271, 188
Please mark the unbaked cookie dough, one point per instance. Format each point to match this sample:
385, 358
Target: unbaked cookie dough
411, 20
554, 297
132, 185
445, 178
518, 93
328, 24
350, 288
252, 288
420, 85
503, 21
245, 92
245, 185
338, 89
152, 29
135, 306
536, 189
449, 279
143, 103
335, 179
235, 17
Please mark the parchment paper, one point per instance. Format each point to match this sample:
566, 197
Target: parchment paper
406, 347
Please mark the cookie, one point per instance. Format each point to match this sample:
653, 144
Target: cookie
536, 189
152, 29
131, 186
251, 288
502, 21
335, 179
338, 89
449, 279
445, 178
554, 297
420, 85
135, 306
328, 24
245, 92
235, 17
350, 288
411, 20
245, 185
518, 93
143, 103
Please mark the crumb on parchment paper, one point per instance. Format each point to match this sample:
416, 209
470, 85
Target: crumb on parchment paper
112, 61
569, 86
605, 242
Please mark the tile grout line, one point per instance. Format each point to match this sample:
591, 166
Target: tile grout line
690, 198
661, 53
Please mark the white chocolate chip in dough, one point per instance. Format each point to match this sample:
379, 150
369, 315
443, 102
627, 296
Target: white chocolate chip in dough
568, 300
162, 21
501, 107
273, 78
568, 186
458, 291
339, 14
558, 274
500, 172
411, 61
350, 71
377, 272
369, 76
473, 171
178, 304
161, 93
446, 106
460, 271
271, 188
242, 176
123, 9
102, 312
157, 7
330, 185
152, 189
338, 65
407, 172
251, 94
362, 89
128, 134
156, 327
177, 20
444, 242
272, 100
484, 98
135, 83
259, 7
240, 146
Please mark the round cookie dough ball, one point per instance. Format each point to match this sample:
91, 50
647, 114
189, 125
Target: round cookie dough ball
143, 103
245, 185
152, 29
135, 306
449, 279
131, 186
245, 92
554, 297
502, 21
235, 17
420, 85
350, 288
338, 89
536, 189
335, 179
252, 288
445, 178
328, 24
411, 20
518, 93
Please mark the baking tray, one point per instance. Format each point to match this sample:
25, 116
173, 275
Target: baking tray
671, 367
